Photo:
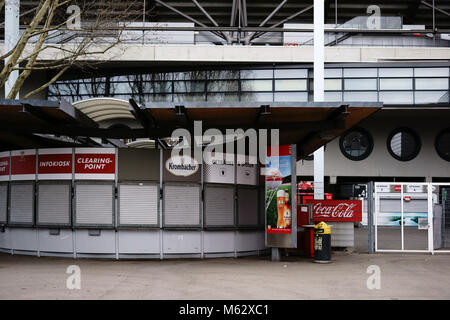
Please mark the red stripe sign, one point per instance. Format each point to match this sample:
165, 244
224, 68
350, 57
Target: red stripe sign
337, 210
23, 164
98, 163
4, 166
55, 163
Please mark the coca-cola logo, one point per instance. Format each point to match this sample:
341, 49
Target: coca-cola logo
342, 210
336, 210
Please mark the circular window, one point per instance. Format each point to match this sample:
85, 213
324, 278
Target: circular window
442, 144
356, 144
403, 144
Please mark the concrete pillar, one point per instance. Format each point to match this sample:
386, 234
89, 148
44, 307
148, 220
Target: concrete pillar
12, 36
319, 57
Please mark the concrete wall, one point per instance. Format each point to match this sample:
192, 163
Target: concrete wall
254, 54
426, 123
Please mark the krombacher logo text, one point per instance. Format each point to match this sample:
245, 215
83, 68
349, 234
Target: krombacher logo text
183, 166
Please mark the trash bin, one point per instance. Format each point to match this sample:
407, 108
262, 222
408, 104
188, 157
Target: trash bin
322, 243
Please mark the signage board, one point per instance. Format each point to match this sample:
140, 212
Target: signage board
413, 188
95, 163
55, 164
180, 168
4, 166
336, 210
219, 168
23, 164
246, 172
280, 202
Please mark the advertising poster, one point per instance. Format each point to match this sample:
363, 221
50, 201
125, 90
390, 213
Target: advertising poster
279, 192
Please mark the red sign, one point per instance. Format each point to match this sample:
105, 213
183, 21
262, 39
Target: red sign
398, 188
337, 210
4, 166
23, 164
281, 151
278, 230
95, 163
55, 163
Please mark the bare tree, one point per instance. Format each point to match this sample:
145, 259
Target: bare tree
94, 27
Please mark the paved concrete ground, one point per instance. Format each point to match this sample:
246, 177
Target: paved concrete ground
407, 276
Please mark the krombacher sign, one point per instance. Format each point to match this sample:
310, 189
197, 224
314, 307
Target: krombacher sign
182, 166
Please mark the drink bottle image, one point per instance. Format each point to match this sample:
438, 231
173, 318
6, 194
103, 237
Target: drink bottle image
280, 208
287, 211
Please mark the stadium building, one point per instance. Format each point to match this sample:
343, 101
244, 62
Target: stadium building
228, 63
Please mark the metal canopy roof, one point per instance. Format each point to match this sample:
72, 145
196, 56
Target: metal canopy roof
18, 118
309, 125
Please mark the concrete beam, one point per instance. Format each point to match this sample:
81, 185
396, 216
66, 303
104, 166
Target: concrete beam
257, 54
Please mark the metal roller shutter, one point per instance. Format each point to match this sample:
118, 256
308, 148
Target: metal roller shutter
53, 206
3, 202
138, 204
248, 207
94, 204
219, 206
181, 205
22, 203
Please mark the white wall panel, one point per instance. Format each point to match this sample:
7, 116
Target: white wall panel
62, 243
247, 241
139, 241
218, 241
24, 239
179, 242
104, 243
5, 239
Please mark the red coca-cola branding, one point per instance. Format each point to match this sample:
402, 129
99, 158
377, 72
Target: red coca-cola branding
55, 163
4, 166
99, 163
337, 210
23, 164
